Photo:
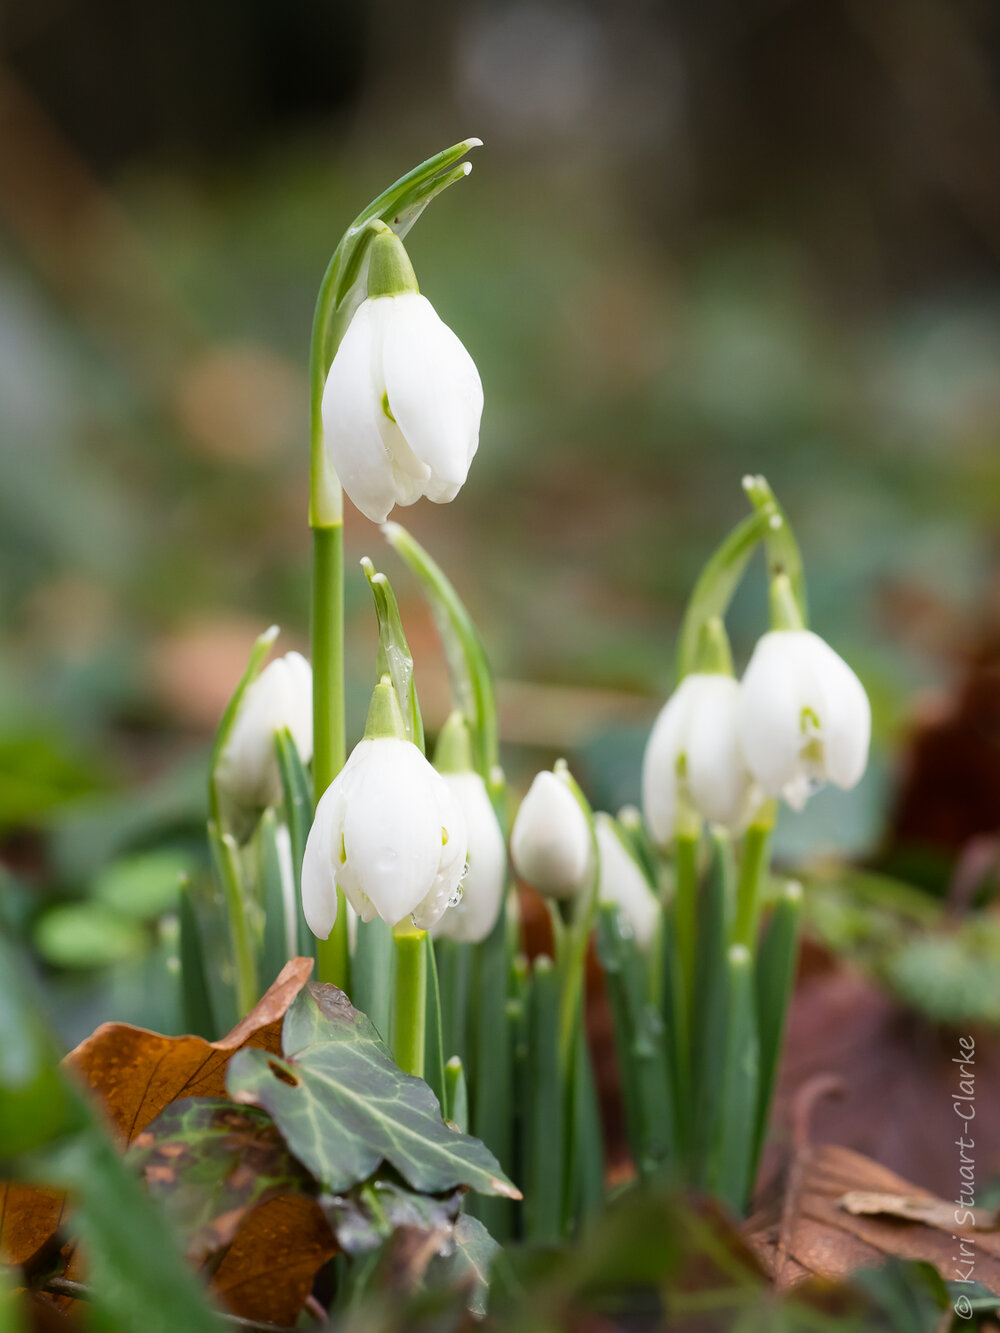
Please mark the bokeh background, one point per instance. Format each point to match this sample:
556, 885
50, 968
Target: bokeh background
701, 240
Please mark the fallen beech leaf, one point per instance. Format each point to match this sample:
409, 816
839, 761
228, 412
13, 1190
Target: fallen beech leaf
268, 1271
135, 1074
801, 1229
935, 1212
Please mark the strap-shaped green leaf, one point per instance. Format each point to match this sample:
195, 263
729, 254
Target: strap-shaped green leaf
344, 1107
471, 678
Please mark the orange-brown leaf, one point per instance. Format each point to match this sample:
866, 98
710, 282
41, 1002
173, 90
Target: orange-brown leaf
803, 1229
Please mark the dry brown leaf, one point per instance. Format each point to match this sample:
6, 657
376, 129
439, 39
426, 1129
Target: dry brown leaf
935, 1212
268, 1271
802, 1229
135, 1074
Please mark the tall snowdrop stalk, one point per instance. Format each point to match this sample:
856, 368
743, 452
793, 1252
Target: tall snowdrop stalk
342, 291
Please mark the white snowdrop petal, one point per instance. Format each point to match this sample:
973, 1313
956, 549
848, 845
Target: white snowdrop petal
434, 391
770, 711
473, 917
845, 717
659, 765
550, 841
717, 775
319, 890
281, 696
622, 882
352, 417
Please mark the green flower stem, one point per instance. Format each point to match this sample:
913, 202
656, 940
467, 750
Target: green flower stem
641, 1054
371, 973
409, 1006
227, 862
775, 981
332, 954
729, 1176
753, 871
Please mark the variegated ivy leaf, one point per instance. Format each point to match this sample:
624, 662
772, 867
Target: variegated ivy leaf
344, 1107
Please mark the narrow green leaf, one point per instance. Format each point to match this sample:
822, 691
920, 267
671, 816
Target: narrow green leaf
344, 1107
454, 964
434, 1056
298, 809
775, 979
456, 1094
545, 1165
708, 1044
732, 1154
471, 678
279, 895
588, 1154
639, 1045
197, 1011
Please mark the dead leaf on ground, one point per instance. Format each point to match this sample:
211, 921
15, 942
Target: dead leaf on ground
135, 1074
899, 1075
269, 1269
935, 1212
803, 1229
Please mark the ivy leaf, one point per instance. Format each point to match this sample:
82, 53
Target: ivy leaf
466, 1263
344, 1107
209, 1163
365, 1217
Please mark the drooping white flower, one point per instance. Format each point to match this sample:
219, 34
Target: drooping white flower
247, 773
550, 842
403, 399
694, 766
804, 716
387, 830
622, 882
473, 917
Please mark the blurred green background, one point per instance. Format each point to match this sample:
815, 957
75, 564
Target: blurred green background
701, 240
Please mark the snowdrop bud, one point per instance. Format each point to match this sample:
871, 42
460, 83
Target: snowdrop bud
550, 842
804, 716
622, 882
473, 917
387, 830
693, 768
247, 775
403, 399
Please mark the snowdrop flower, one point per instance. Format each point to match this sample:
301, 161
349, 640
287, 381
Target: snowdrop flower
622, 882
804, 717
550, 843
473, 917
693, 768
403, 399
387, 830
247, 775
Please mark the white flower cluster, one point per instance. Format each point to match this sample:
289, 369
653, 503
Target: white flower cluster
721, 747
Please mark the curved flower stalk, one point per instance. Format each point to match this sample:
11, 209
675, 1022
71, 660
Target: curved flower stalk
804, 716
624, 883
403, 399
550, 843
387, 831
472, 918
